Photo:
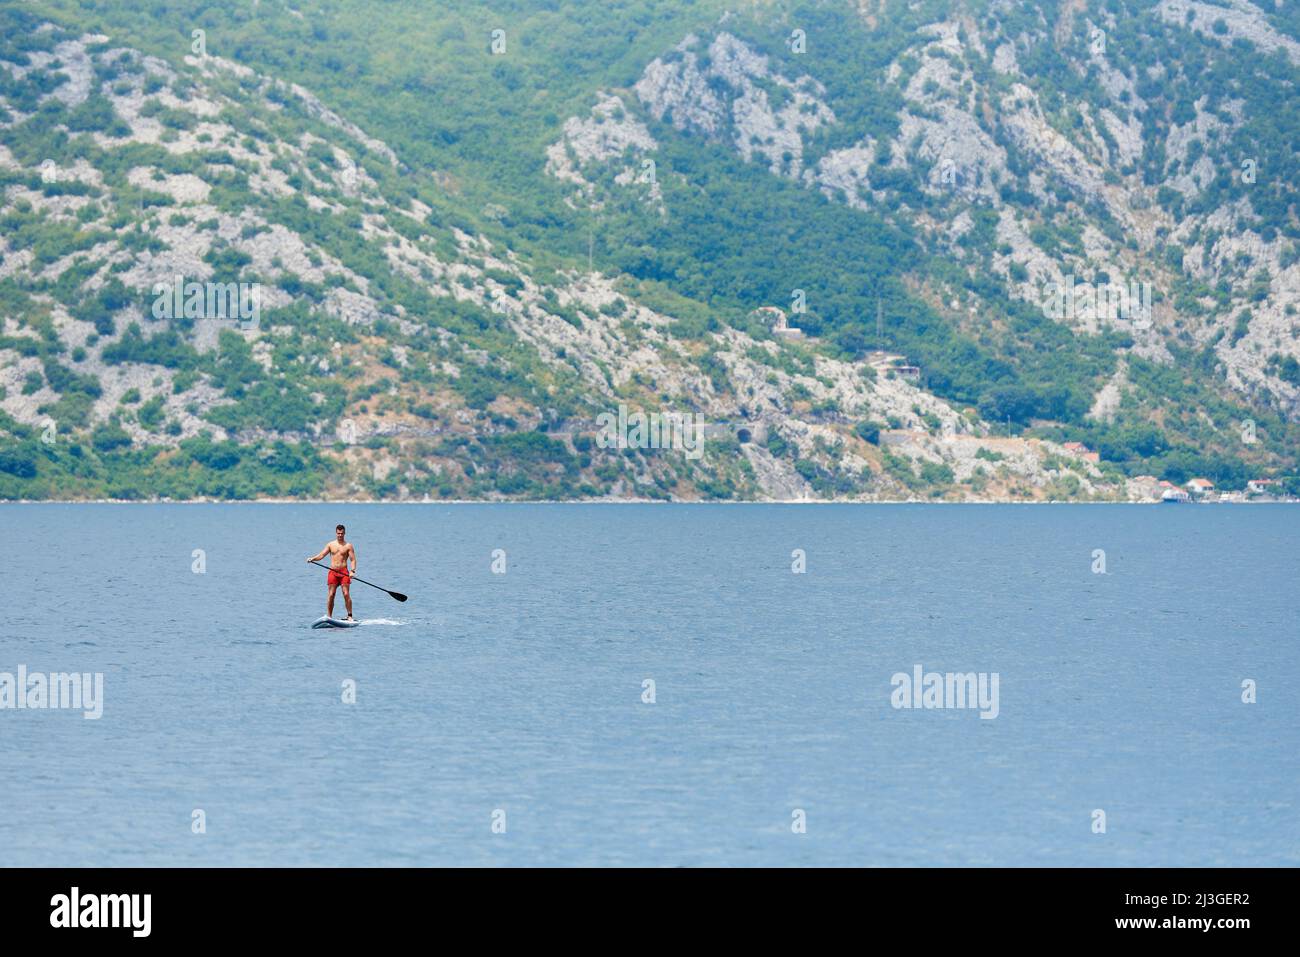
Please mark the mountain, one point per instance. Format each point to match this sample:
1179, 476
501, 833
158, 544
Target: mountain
869, 250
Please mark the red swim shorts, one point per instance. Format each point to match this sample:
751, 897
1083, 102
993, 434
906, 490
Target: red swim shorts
340, 576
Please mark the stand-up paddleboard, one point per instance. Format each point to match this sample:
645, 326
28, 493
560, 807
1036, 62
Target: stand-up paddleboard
324, 621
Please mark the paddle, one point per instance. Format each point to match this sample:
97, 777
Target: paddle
395, 594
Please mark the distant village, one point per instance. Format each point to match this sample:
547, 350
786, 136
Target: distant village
1200, 490
1194, 490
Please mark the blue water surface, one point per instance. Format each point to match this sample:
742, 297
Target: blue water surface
518, 698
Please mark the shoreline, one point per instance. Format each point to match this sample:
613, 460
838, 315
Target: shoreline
596, 501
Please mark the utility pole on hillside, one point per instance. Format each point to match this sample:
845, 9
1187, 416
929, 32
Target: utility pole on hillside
880, 327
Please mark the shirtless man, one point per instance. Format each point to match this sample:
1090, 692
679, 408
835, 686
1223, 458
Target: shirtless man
339, 550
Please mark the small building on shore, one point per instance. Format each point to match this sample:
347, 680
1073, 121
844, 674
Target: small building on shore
1082, 451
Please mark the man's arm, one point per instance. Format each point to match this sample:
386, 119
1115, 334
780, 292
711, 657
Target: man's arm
323, 552
354, 558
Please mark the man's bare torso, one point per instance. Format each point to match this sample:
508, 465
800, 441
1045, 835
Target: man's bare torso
339, 554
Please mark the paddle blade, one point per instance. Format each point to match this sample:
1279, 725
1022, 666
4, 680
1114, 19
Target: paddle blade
398, 595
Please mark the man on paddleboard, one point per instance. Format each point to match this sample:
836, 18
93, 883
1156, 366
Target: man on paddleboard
339, 550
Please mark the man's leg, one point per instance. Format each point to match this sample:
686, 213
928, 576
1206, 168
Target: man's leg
329, 607
347, 597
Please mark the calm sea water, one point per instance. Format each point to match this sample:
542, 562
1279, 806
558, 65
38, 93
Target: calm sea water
523, 692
